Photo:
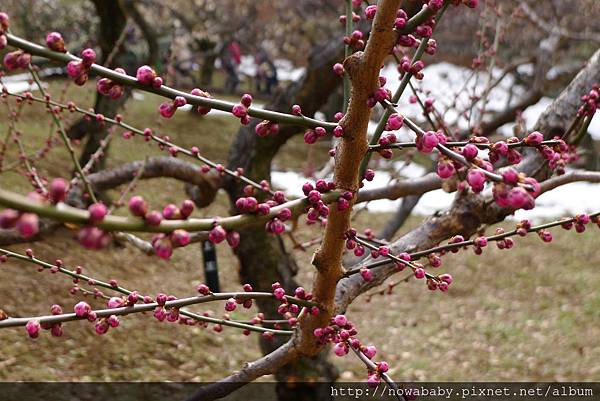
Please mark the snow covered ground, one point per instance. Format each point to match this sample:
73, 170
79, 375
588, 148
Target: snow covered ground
443, 81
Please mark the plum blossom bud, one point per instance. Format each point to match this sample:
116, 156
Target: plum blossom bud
97, 212
88, 57
203, 289
180, 238
445, 168
114, 302
153, 218
28, 225
366, 274
476, 179
138, 206
340, 349
113, 321
167, 110
370, 351
233, 239
74, 69
33, 328
163, 248
340, 320
101, 327
145, 75
230, 305
8, 218
82, 309
470, 151
427, 142
171, 212
187, 207
4, 22
217, 235
54, 41
370, 11
338, 69
534, 139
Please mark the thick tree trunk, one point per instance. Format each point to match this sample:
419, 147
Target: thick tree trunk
112, 23
263, 258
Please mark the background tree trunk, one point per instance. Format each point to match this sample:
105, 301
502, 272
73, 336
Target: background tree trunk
263, 258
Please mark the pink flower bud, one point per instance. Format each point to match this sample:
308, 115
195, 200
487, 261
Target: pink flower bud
366, 274
179, 101
113, 321
82, 309
230, 305
370, 11
101, 327
383, 366
145, 75
470, 151
187, 207
279, 293
476, 179
510, 176
180, 238
97, 212
447, 278
55, 42
163, 248
203, 289
4, 22
217, 235
419, 273
338, 69
171, 212
342, 204
370, 351
340, 320
167, 110
445, 169
153, 218
296, 110
138, 206
8, 218
33, 328
285, 214
88, 57
11, 60
246, 100
310, 137
74, 69
340, 349
233, 239
28, 225
263, 209
239, 110
114, 302
427, 142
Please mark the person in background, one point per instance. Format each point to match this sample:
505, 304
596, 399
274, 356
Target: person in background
266, 73
231, 60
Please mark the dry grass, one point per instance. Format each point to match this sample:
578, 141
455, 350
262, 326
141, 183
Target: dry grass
532, 313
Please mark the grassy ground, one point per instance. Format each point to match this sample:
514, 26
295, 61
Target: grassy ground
532, 313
